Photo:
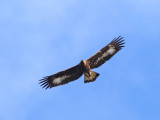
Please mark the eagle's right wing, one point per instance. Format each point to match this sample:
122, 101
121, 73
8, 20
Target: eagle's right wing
62, 77
106, 53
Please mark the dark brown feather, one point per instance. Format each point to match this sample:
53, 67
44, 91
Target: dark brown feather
73, 74
106, 53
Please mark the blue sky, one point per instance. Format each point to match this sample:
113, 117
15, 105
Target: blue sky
40, 38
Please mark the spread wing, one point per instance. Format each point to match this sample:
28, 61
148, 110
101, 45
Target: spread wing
62, 77
106, 53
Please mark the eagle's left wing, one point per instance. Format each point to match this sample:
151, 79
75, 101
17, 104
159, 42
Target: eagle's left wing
106, 53
62, 77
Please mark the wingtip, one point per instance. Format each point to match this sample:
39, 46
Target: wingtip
119, 41
44, 83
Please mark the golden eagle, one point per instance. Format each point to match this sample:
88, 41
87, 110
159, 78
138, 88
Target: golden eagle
84, 67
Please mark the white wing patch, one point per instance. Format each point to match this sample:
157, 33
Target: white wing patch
109, 52
59, 80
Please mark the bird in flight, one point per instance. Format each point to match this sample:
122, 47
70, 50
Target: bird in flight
84, 67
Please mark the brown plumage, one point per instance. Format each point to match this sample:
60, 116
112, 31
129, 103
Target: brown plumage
84, 67
106, 53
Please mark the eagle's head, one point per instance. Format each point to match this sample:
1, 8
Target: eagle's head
82, 63
85, 66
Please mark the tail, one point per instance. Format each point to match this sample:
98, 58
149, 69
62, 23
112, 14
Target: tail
90, 78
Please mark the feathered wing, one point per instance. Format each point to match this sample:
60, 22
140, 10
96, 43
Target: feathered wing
62, 77
106, 53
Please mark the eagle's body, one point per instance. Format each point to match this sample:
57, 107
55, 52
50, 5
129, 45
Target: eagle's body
84, 67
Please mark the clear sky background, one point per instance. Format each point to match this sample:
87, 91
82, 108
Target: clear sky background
42, 37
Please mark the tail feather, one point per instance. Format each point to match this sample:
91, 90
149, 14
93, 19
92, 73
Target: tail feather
90, 78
